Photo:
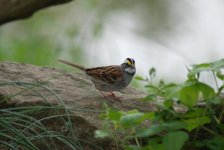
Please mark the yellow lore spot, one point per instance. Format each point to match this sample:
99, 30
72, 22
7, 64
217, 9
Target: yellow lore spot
129, 63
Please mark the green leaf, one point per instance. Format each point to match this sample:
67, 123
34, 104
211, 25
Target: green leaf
196, 122
171, 90
134, 147
175, 140
175, 125
135, 118
152, 130
216, 65
189, 95
217, 143
156, 147
207, 91
152, 89
199, 68
195, 113
114, 115
214, 143
213, 66
167, 104
131, 119
155, 143
147, 116
220, 75
151, 97
139, 78
101, 134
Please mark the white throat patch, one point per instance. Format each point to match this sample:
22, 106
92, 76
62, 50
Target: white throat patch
130, 70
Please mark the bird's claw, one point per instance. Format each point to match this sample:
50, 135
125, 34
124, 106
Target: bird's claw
111, 94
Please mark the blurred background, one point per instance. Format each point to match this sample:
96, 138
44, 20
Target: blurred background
166, 34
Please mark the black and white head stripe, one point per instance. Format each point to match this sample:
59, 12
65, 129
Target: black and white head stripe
130, 61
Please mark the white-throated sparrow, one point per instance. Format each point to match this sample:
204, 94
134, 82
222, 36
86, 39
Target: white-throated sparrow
109, 78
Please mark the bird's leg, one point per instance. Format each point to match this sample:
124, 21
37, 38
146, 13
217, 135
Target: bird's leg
113, 95
110, 94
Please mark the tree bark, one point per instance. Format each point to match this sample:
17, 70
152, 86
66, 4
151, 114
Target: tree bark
19, 9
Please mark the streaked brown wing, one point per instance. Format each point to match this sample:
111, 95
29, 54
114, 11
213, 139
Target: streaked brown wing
107, 74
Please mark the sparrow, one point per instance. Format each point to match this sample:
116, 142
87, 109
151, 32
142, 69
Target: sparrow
109, 78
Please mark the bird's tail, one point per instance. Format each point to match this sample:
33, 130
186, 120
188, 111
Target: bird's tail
72, 64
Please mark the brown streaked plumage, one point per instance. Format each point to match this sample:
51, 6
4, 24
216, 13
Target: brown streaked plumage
107, 74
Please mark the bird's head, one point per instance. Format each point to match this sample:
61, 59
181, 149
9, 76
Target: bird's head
129, 66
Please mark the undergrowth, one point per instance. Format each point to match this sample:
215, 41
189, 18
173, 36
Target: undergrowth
188, 116
36, 127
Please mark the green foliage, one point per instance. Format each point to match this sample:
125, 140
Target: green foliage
36, 41
189, 115
190, 91
175, 140
28, 127
213, 66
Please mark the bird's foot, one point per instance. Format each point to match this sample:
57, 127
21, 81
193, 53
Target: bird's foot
109, 95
